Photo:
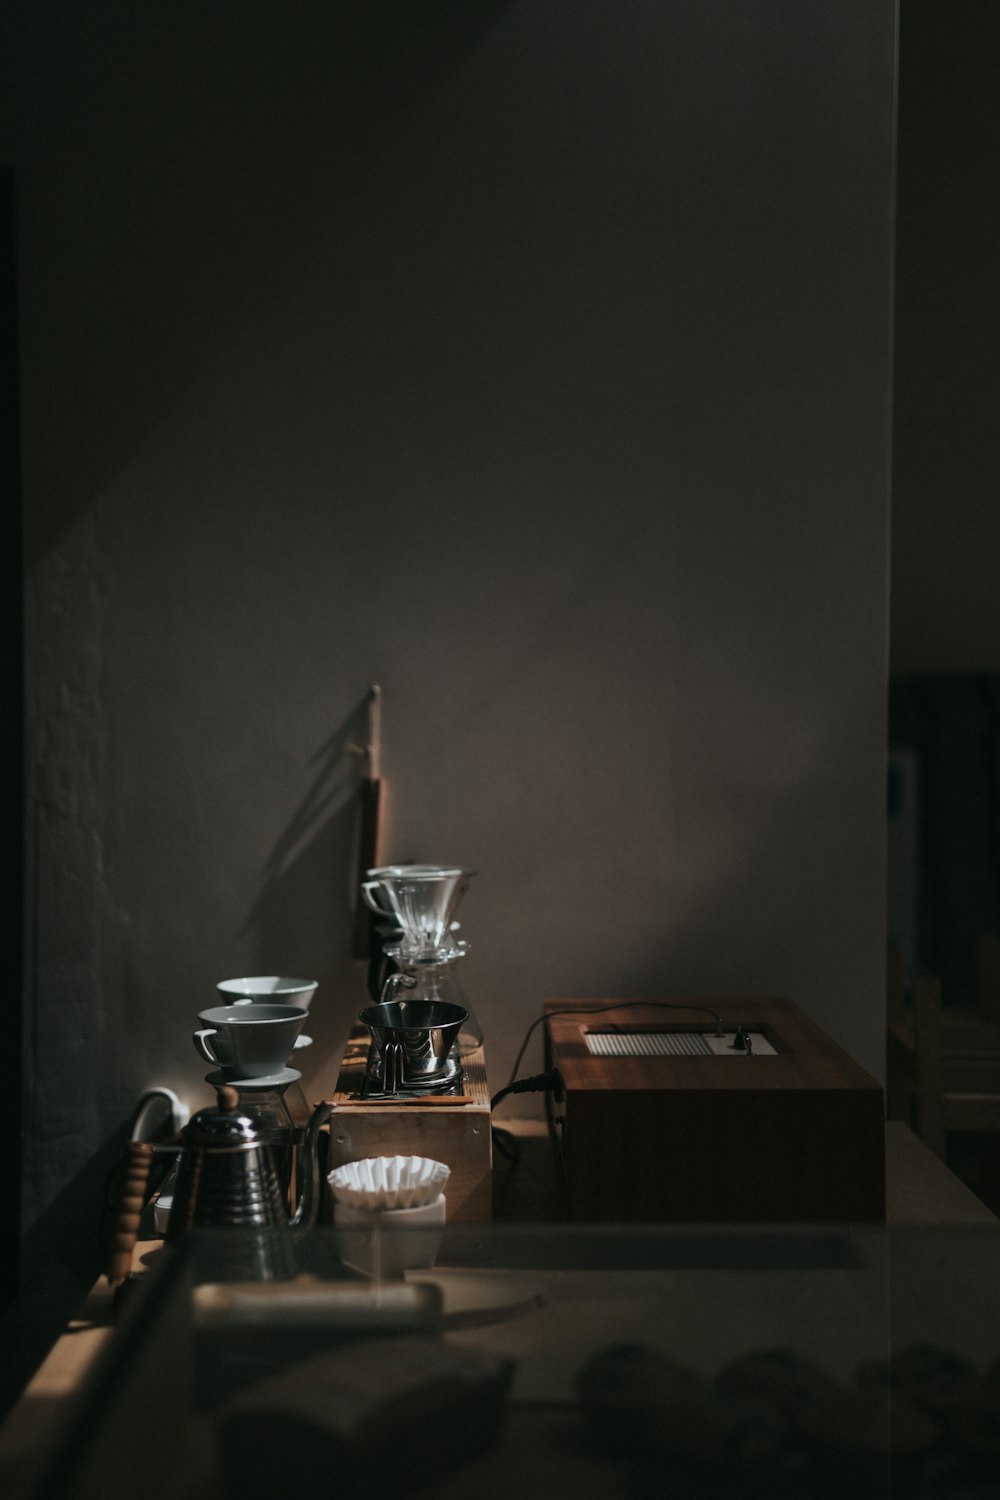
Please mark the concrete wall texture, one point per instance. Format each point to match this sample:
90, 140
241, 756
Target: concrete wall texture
529, 359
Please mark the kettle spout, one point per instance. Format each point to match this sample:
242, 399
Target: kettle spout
307, 1208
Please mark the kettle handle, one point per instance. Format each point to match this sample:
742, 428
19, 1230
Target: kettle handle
131, 1202
304, 1216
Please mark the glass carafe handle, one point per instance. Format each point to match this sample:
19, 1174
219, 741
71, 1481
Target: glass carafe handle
393, 983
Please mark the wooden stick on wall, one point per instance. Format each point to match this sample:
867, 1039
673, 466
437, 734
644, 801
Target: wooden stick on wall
370, 835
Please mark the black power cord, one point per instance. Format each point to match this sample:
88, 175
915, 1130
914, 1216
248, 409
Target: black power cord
539, 1083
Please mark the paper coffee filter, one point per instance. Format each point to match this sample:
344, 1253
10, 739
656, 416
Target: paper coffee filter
379, 1182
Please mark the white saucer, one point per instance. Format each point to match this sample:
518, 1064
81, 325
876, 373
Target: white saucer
220, 1080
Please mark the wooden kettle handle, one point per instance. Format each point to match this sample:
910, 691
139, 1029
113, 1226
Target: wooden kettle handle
131, 1202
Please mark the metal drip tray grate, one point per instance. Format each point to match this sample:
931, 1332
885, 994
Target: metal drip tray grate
447, 1083
672, 1044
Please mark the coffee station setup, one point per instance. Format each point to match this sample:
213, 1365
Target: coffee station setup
254, 1163
623, 1077
328, 1275
323, 1277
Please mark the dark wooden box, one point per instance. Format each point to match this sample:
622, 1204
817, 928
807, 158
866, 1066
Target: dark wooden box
798, 1136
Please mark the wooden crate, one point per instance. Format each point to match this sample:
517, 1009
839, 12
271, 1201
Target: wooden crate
459, 1135
796, 1136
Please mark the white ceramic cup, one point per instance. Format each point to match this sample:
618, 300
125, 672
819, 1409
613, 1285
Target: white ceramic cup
382, 1244
248, 1041
268, 989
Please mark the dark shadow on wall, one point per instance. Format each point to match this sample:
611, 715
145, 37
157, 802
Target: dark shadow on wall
282, 119
303, 918
62, 1256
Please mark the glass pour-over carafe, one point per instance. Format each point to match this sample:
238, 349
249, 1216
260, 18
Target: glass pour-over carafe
419, 900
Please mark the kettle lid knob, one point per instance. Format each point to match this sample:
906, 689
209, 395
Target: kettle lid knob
223, 1124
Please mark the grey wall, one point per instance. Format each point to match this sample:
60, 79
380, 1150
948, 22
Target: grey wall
535, 368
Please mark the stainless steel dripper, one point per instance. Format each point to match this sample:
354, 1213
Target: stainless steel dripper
413, 1043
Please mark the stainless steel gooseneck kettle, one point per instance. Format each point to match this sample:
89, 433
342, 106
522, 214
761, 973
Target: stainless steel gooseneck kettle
227, 1179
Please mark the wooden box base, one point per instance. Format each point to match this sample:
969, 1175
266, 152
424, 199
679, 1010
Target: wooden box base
459, 1135
796, 1136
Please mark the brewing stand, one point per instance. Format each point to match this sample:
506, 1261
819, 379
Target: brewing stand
405, 1109
422, 1125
